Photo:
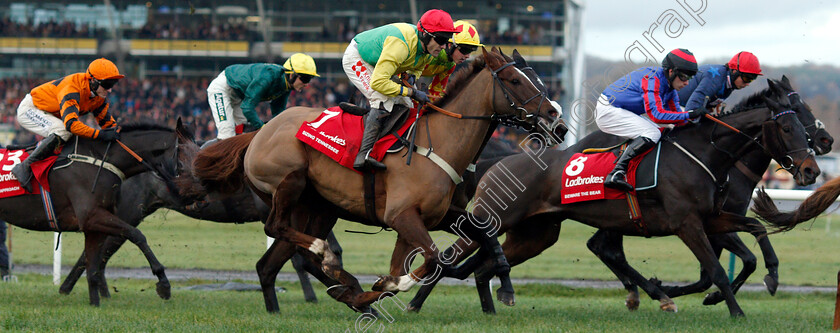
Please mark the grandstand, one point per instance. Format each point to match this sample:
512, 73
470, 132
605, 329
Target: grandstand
170, 50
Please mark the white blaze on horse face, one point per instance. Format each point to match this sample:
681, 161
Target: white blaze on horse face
526, 77
557, 107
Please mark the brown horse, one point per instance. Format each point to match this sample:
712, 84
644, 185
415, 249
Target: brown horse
410, 198
685, 203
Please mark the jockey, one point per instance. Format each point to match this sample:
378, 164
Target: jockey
52, 111
375, 55
651, 91
463, 43
235, 93
716, 82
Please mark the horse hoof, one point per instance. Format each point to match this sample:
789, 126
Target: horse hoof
668, 305
771, 283
386, 283
632, 304
164, 290
64, 292
713, 298
505, 297
632, 301
412, 308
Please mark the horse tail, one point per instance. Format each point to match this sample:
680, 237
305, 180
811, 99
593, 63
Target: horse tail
220, 166
812, 207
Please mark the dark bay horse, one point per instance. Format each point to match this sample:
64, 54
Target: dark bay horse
740, 193
742, 182
145, 193
166, 151
411, 199
535, 213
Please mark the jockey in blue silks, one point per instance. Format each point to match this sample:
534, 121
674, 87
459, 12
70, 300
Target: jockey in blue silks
647, 90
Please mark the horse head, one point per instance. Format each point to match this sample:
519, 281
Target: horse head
519, 98
785, 138
818, 137
169, 154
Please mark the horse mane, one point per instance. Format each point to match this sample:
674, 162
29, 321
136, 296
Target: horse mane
144, 126
460, 78
753, 101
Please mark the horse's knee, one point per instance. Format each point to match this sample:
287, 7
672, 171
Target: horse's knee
750, 262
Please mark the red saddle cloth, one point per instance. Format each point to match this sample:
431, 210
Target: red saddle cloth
339, 134
584, 174
9, 185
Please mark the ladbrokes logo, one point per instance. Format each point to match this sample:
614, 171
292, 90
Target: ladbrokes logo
584, 181
333, 138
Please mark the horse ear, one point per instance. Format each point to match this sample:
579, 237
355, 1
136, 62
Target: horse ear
179, 124
774, 106
518, 57
786, 80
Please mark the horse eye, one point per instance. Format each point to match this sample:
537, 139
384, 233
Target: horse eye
786, 129
515, 81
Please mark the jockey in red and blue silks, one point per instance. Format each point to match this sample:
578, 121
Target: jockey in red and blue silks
651, 91
717, 82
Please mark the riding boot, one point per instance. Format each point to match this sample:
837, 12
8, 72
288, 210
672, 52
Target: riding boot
373, 124
23, 170
617, 178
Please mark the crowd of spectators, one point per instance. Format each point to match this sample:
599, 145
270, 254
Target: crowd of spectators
50, 29
204, 30
208, 30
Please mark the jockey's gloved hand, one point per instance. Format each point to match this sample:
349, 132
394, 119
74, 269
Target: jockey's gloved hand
420, 96
410, 79
109, 134
697, 113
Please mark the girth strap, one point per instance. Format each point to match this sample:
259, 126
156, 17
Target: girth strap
97, 162
456, 178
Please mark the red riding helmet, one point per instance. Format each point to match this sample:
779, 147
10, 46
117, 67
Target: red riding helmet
745, 62
436, 20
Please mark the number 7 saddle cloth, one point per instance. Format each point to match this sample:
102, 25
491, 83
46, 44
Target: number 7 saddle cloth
338, 134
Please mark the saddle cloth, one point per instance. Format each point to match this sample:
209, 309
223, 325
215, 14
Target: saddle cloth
584, 174
9, 185
338, 134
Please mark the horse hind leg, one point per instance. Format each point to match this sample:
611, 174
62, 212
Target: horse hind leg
608, 246
279, 221
267, 268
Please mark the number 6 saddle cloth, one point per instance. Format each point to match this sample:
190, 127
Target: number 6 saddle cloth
338, 134
584, 174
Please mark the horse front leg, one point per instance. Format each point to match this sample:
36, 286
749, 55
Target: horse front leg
410, 227
460, 272
693, 235
608, 246
104, 221
733, 243
93, 240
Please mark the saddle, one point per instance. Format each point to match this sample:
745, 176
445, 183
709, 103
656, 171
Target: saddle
337, 132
